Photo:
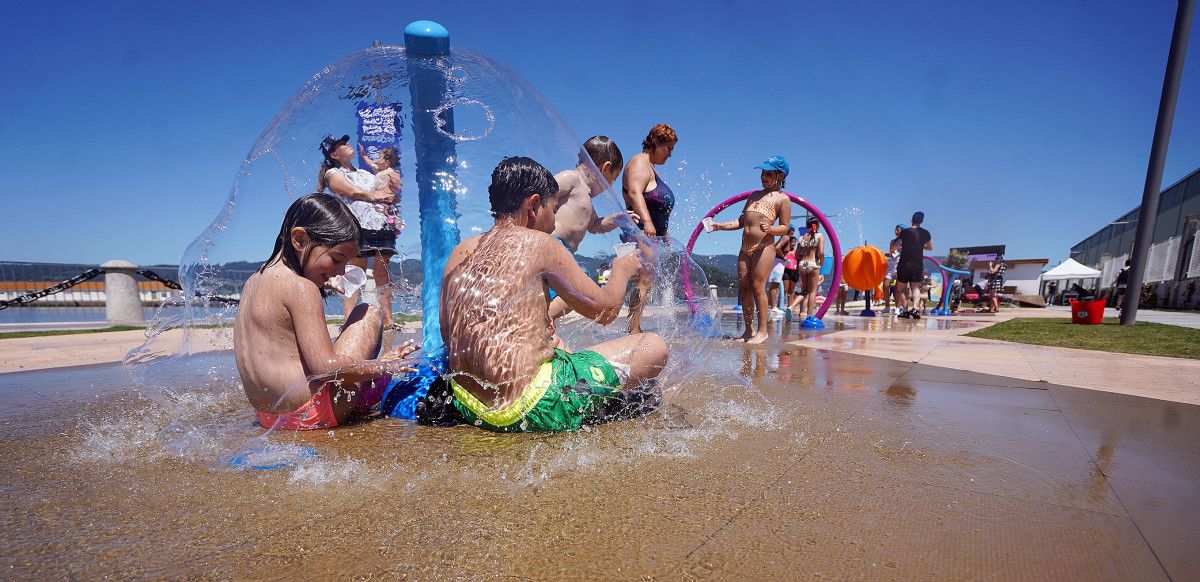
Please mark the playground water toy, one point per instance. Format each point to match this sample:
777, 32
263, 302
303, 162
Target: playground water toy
452, 115
943, 307
810, 322
865, 268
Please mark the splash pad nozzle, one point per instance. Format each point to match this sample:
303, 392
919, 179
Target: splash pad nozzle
943, 307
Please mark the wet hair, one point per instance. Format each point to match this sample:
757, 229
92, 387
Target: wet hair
325, 218
392, 157
1128, 262
811, 221
661, 134
603, 149
516, 179
322, 181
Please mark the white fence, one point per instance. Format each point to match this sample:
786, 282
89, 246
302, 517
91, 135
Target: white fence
1161, 263
1109, 270
1193, 269
1164, 257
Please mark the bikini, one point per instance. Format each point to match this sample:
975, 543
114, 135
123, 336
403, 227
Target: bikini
765, 206
807, 242
317, 413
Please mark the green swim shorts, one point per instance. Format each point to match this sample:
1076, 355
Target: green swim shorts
568, 391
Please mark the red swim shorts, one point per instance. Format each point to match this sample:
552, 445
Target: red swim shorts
317, 413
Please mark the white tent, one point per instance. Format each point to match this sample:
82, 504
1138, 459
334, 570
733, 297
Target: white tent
1070, 269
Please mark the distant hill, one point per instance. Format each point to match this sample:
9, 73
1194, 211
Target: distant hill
720, 270
726, 263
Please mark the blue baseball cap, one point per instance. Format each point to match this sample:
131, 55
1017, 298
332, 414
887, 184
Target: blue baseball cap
777, 163
900, 227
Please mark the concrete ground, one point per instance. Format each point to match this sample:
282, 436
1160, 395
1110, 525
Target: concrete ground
940, 342
793, 460
937, 341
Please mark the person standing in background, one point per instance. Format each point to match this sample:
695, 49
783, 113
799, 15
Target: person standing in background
914, 241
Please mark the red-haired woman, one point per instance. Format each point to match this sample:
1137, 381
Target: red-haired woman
651, 199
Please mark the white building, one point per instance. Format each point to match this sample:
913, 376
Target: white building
1023, 274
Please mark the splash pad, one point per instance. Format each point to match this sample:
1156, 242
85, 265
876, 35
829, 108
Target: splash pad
452, 115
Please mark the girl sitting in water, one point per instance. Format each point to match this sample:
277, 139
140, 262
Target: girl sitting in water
295, 377
758, 221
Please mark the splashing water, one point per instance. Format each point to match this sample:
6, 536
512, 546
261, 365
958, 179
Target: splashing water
489, 112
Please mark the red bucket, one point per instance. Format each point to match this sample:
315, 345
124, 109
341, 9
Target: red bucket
1087, 312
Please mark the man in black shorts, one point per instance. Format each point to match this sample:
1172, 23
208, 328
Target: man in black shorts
914, 241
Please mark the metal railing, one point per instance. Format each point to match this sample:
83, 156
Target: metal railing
33, 292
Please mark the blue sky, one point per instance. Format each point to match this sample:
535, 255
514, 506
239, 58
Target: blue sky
1023, 123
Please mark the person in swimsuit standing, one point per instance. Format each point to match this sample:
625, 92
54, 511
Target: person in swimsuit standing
787, 246
758, 224
810, 255
652, 200
996, 271
890, 279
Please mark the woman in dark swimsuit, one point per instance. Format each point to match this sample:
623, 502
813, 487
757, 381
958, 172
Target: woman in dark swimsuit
651, 199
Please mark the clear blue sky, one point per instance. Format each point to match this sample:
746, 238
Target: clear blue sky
1024, 123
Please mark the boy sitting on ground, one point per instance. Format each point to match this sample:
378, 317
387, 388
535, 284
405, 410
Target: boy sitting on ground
505, 371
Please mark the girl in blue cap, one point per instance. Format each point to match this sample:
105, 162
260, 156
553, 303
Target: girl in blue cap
765, 217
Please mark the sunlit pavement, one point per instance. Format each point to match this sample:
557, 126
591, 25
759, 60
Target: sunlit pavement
787, 460
939, 341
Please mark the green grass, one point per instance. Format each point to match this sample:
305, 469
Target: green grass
21, 334
400, 318
1153, 339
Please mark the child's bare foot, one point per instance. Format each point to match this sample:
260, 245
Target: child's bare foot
758, 338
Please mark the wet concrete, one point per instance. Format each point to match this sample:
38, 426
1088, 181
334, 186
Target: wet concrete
769, 462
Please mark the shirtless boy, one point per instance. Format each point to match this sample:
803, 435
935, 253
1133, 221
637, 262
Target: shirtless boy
576, 217
505, 371
295, 377
576, 187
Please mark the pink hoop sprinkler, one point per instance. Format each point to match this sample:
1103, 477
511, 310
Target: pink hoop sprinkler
810, 322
